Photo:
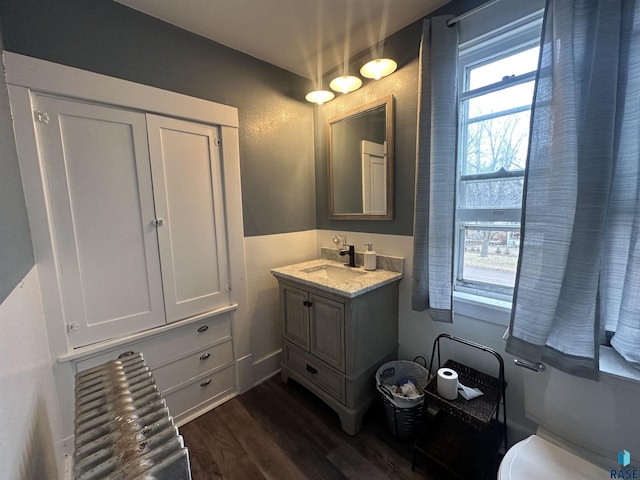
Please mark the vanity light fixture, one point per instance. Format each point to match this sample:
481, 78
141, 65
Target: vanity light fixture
319, 96
378, 68
345, 84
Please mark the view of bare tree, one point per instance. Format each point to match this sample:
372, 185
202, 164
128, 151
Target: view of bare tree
495, 145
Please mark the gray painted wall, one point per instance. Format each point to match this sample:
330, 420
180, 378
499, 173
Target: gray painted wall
276, 124
283, 141
16, 251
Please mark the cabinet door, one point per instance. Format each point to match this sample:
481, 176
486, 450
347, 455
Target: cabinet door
295, 315
327, 331
96, 164
187, 185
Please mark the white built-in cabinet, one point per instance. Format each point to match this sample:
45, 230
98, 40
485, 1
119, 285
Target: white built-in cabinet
138, 217
133, 196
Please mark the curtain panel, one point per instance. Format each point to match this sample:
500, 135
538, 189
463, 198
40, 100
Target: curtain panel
579, 266
433, 229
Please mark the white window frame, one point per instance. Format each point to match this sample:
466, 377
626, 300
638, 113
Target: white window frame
504, 41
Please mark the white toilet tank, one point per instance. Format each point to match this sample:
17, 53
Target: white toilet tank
582, 425
594, 420
535, 458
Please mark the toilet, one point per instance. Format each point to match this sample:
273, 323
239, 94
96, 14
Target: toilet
535, 458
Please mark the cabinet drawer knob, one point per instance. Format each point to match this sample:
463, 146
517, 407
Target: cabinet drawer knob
126, 354
204, 356
205, 383
203, 328
311, 369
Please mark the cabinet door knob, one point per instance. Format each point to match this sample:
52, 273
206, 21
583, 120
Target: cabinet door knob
126, 354
311, 369
205, 383
203, 328
204, 356
157, 222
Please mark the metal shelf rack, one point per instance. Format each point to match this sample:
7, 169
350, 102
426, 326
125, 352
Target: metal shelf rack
463, 439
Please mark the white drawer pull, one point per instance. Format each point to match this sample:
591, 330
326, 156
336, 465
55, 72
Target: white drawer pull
203, 328
205, 383
204, 356
126, 354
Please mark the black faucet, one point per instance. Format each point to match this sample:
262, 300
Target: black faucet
352, 255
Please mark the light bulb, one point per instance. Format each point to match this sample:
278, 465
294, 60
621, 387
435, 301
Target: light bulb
345, 83
319, 96
378, 68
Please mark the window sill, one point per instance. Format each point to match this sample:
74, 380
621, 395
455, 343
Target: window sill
613, 368
482, 308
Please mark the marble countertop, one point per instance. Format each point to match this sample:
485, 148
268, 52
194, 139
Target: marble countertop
369, 280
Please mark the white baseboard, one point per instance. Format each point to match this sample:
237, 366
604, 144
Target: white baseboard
266, 367
245, 373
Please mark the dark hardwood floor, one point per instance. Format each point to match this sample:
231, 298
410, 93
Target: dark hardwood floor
282, 431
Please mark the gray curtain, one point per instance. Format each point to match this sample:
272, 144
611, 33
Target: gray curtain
433, 228
579, 269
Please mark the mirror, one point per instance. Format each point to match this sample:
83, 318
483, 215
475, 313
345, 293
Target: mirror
361, 162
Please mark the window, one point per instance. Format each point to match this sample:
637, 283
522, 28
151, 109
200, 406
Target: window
496, 83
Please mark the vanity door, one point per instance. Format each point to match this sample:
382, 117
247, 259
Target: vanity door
326, 339
294, 303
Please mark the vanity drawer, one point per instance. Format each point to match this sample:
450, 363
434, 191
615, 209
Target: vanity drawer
206, 389
185, 369
318, 372
163, 348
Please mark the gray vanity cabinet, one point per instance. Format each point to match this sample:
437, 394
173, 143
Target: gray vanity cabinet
334, 344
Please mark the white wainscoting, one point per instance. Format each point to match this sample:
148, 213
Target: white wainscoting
29, 413
262, 254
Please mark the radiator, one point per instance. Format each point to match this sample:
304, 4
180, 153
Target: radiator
123, 429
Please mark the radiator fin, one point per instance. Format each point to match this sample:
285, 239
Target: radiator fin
123, 429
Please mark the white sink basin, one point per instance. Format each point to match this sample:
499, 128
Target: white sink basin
332, 272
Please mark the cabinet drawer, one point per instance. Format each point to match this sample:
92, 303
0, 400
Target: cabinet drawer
161, 349
204, 390
187, 368
315, 370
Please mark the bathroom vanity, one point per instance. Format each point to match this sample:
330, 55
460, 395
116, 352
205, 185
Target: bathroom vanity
339, 324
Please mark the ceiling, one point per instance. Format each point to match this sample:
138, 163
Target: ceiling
302, 36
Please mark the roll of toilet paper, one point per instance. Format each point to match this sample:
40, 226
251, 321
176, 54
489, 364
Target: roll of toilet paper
447, 383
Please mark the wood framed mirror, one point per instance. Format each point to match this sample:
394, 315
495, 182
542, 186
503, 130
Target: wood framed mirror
360, 146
